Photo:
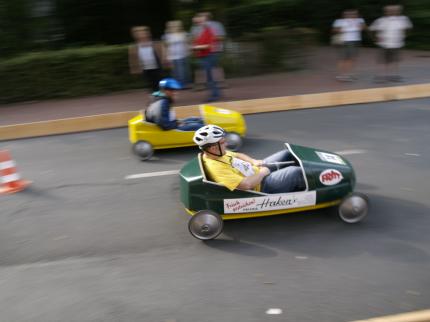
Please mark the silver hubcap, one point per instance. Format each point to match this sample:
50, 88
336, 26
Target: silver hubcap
234, 141
205, 225
353, 209
143, 150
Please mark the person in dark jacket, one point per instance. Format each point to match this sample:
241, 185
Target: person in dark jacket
161, 113
144, 56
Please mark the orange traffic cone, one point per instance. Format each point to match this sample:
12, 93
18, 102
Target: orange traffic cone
10, 179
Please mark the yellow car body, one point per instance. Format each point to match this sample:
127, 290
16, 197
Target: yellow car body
140, 130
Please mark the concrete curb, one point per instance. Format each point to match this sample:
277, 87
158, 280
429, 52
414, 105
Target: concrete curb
417, 316
263, 105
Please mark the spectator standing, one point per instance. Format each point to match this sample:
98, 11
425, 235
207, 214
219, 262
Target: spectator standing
348, 30
389, 32
195, 28
220, 35
199, 77
176, 45
203, 46
144, 56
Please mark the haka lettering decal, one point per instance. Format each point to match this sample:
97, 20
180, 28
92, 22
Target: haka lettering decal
270, 202
330, 177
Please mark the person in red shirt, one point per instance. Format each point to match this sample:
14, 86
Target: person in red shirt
204, 46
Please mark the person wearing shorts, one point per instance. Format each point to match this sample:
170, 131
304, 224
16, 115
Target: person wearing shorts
389, 33
348, 29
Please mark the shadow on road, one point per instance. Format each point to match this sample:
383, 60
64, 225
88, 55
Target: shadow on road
392, 230
242, 248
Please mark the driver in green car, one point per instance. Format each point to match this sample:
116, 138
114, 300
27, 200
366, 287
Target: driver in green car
240, 171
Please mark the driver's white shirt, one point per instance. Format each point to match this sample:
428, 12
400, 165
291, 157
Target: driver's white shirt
243, 167
229, 170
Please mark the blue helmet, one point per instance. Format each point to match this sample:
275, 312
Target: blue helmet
169, 83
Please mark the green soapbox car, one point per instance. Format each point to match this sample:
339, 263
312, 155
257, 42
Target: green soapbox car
329, 179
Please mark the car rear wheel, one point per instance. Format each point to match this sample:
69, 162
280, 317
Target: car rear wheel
143, 150
233, 141
205, 225
353, 208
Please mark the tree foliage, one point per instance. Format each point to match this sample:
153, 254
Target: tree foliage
27, 24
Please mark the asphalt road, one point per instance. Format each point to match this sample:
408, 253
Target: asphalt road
85, 244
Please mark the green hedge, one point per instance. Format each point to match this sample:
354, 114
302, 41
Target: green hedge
104, 69
320, 14
66, 73
253, 17
273, 49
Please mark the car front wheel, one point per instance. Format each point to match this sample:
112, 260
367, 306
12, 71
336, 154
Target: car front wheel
353, 208
205, 225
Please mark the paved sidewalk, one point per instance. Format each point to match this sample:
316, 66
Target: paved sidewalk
318, 77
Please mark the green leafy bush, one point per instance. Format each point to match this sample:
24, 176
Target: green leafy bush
252, 16
66, 73
272, 49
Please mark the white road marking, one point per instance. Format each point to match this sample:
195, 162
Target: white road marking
413, 154
47, 172
151, 174
172, 172
349, 152
411, 292
301, 257
406, 189
60, 237
273, 311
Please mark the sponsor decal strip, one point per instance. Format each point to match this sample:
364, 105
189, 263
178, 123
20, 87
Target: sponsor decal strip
270, 202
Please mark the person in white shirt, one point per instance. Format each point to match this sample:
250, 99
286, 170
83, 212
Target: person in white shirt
389, 33
348, 29
176, 48
144, 56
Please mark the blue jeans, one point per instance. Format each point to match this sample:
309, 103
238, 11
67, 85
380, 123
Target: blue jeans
282, 179
191, 124
181, 70
207, 64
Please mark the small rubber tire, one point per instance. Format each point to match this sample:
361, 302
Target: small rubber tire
205, 225
353, 208
233, 141
143, 150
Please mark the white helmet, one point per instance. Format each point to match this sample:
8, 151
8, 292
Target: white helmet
208, 134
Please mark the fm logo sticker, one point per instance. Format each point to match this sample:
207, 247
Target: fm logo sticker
330, 177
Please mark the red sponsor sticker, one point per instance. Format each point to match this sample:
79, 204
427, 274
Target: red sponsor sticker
330, 177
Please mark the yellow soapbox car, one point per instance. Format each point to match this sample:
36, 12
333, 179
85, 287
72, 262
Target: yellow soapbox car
147, 137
